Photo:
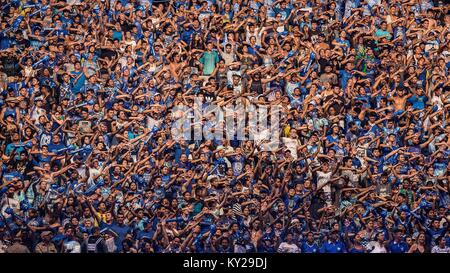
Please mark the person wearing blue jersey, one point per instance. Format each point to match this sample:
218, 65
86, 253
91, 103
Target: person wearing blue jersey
333, 244
310, 245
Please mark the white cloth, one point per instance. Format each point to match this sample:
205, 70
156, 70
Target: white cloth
292, 145
285, 247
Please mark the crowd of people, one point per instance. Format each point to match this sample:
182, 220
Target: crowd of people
89, 164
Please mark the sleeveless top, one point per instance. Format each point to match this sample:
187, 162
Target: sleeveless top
10, 111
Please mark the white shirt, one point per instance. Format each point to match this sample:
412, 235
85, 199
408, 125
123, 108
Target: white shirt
285, 247
257, 32
36, 113
378, 248
437, 249
436, 100
353, 178
10, 203
94, 172
230, 74
322, 179
228, 57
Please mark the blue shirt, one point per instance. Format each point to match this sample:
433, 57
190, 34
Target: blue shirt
418, 102
346, 43
397, 247
78, 84
145, 234
434, 234
10, 147
54, 148
306, 248
121, 232
344, 77
186, 35
330, 247
284, 12
332, 139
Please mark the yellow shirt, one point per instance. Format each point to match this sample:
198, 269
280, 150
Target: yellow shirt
102, 217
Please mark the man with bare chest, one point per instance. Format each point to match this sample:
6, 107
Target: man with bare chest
399, 99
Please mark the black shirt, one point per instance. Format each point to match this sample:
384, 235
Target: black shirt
324, 62
10, 65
